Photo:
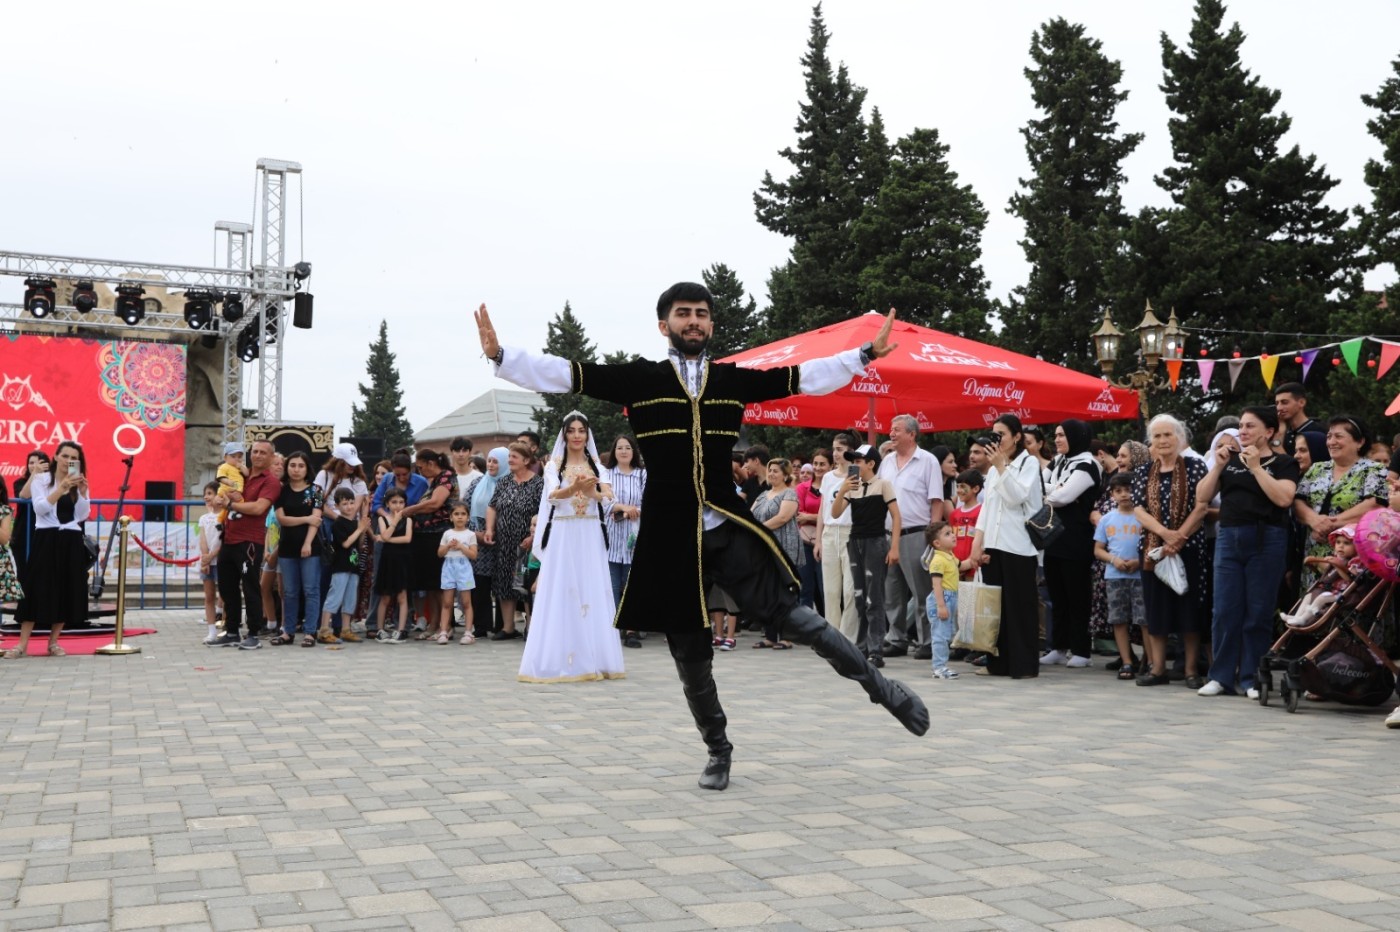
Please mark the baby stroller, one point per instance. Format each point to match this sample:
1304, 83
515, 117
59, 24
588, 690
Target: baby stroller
1336, 657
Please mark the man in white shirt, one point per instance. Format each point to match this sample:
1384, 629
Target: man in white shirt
918, 484
832, 535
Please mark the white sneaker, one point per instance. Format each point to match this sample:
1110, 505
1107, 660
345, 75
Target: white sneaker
1053, 657
1252, 693
1393, 719
1076, 661
1212, 688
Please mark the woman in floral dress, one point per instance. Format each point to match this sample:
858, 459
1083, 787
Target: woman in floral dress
515, 501
1339, 491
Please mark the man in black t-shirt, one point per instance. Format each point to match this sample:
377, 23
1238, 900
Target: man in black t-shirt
1291, 403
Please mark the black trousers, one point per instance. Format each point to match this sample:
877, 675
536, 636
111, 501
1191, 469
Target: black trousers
240, 575
1019, 641
1070, 585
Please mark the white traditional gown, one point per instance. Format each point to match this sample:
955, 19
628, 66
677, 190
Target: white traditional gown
571, 634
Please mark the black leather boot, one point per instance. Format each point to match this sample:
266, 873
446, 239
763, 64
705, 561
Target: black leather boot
697, 679
807, 627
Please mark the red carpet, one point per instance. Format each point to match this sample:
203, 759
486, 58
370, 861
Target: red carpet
75, 644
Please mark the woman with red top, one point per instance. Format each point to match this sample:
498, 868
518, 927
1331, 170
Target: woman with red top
809, 503
431, 517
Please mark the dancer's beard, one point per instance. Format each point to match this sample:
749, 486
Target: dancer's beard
689, 346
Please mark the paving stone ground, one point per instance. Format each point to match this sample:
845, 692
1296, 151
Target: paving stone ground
420, 787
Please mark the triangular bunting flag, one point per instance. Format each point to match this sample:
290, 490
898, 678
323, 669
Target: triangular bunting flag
1207, 366
1351, 352
1174, 371
1389, 353
1236, 367
1308, 356
1267, 366
1394, 408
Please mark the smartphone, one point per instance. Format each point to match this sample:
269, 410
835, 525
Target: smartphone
72, 469
853, 471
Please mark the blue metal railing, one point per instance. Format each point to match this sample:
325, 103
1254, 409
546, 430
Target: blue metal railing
170, 527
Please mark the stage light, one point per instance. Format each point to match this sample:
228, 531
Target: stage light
301, 310
84, 296
301, 271
233, 307
247, 345
38, 296
129, 307
199, 309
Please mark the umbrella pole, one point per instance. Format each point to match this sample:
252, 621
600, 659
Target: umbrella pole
870, 423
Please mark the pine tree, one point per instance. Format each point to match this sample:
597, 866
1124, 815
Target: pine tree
565, 338
923, 235
382, 414
1074, 217
735, 313
1248, 245
835, 171
1380, 224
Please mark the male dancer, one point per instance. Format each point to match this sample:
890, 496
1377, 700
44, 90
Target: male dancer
686, 413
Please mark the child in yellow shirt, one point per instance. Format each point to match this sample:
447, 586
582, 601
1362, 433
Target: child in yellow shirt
230, 475
942, 603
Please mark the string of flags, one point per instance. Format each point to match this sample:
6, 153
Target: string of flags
1346, 350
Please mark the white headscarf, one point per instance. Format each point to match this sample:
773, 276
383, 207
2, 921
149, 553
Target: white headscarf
553, 474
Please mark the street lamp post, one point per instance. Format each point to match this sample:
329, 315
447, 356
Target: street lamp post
1157, 341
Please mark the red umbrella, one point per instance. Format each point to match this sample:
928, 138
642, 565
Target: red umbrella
946, 382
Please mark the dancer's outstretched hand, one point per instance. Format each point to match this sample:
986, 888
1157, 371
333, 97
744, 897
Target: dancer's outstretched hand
881, 345
489, 344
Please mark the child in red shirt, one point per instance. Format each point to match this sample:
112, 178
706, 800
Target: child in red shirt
963, 518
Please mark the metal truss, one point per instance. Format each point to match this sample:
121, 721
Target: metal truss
266, 286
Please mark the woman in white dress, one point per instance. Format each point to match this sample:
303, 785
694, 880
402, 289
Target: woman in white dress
571, 628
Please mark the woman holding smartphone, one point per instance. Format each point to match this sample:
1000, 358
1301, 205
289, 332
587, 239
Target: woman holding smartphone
55, 582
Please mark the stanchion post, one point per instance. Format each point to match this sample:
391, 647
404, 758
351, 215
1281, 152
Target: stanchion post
117, 647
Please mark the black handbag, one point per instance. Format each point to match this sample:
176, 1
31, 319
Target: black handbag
1044, 527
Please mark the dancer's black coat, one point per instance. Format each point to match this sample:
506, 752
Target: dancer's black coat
686, 444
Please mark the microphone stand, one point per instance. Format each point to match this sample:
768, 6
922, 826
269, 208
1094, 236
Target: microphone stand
98, 580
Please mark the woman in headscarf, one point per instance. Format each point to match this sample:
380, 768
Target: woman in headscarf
478, 495
1071, 488
1130, 455
1337, 491
571, 627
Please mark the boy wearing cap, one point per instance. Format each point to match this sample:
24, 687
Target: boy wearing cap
870, 499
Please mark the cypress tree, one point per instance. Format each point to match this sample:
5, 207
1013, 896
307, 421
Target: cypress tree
1248, 245
381, 413
735, 313
1074, 217
924, 235
1380, 223
832, 178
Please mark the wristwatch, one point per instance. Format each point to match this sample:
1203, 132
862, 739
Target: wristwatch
867, 353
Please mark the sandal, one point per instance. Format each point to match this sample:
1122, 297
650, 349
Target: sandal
783, 645
760, 645
1125, 672
443, 638
308, 640
281, 639
56, 651
424, 636
468, 638
14, 653
326, 637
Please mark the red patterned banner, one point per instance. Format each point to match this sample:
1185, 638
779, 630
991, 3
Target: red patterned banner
112, 397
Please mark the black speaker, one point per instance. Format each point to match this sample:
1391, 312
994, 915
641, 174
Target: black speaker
158, 490
301, 310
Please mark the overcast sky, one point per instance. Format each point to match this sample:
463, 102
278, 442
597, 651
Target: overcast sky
528, 154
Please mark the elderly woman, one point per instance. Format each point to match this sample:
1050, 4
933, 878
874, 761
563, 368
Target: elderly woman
1010, 496
1072, 487
1128, 456
1256, 488
515, 501
1164, 495
1338, 491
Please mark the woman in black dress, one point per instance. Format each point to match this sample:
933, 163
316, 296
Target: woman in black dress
56, 579
515, 501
